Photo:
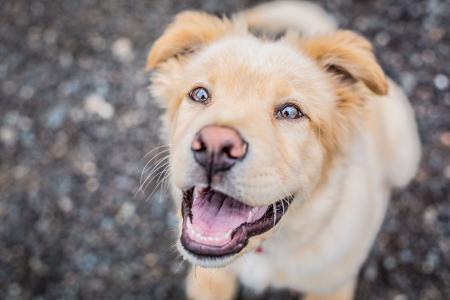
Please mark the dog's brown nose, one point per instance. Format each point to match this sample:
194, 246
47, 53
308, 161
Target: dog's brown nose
217, 148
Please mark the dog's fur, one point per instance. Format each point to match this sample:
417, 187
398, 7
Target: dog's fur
358, 141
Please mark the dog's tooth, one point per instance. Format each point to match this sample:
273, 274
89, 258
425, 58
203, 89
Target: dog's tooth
196, 192
250, 215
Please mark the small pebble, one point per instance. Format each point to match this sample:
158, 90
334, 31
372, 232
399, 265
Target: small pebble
408, 81
96, 104
92, 185
14, 289
65, 204
65, 59
400, 297
430, 215
382, 38
447, 172
441, 82
89, 168
151, 259
26, 92
122, 49
8, 136
37, 266
445, 138
126, 212
389, 263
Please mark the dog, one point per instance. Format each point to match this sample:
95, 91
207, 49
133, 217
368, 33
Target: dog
286, 140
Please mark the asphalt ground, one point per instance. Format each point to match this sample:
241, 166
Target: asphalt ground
76, 121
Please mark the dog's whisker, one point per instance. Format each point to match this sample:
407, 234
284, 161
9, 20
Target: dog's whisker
148, 184
161, 165
154, 169
157, 185
163, 181
274, 214
150, 160
146, 165
155, 156
142, 187
156, 148
180, 265
173, 244
164, 185
162, 174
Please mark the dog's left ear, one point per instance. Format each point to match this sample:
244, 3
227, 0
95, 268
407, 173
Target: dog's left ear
189, 31
349, 56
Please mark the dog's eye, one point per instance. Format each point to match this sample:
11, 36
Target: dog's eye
199, 94
288, 111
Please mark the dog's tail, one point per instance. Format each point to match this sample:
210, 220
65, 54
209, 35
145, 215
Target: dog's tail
307, 18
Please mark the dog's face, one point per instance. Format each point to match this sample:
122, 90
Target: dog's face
253, 125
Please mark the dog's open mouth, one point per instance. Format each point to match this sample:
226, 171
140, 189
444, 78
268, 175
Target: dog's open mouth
217, 225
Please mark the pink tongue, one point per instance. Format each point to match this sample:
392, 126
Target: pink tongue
215, 214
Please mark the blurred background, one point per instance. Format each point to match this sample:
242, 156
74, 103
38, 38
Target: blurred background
76, 121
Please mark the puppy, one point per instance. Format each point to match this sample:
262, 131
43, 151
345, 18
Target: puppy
286, 141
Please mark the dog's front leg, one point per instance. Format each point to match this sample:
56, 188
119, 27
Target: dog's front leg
344, 293
211, 284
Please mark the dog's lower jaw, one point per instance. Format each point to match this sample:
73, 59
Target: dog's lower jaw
219, 262
205, 262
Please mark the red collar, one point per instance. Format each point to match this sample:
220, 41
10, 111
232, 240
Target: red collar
259, 250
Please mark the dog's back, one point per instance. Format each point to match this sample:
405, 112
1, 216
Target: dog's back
306, 18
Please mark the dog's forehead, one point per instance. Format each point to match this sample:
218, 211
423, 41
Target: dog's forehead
247, 56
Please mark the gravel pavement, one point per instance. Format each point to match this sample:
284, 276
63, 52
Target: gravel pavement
76, 122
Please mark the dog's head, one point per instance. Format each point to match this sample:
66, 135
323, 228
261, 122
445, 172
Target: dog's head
253, 124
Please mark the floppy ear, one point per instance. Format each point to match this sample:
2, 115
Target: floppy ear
188, 32
349, 56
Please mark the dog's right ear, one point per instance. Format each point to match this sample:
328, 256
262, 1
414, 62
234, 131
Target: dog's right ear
349, 56
188, 32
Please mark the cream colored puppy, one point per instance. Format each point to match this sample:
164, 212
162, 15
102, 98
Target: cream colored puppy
284, 151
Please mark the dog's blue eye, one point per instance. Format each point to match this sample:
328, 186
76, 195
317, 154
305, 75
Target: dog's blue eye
289, 111
199, 94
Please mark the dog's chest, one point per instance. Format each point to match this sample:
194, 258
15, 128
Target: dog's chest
266, 267
254, 271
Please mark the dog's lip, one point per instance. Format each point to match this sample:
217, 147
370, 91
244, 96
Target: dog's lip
240, 235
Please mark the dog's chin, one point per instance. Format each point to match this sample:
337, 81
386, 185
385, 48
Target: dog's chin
216, 228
